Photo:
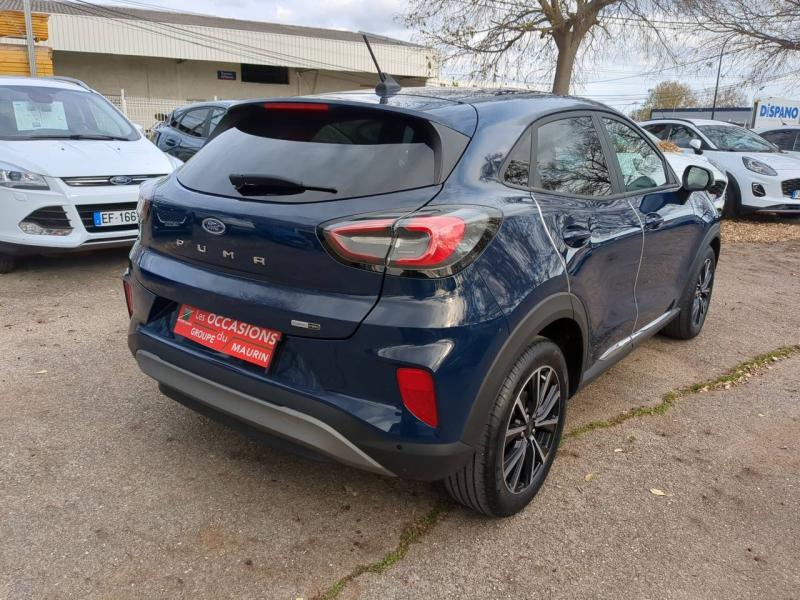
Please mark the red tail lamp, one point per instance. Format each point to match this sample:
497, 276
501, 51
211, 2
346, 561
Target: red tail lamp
418, 394
128, 296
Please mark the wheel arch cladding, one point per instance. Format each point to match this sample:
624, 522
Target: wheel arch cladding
568, 336
554, 316
716, 244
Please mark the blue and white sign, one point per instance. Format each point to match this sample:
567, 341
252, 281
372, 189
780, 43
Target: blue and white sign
776, 111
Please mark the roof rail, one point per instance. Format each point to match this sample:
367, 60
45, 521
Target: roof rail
671, 119
70, 80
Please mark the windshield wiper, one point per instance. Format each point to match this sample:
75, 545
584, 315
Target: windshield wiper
79, 136
260, 185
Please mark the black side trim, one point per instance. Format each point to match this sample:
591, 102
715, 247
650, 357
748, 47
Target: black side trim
558, 306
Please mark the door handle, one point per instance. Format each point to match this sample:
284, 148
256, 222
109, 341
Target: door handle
653, 221
576, 236
171, 142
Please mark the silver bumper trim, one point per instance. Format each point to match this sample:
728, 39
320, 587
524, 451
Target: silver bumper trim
271, 418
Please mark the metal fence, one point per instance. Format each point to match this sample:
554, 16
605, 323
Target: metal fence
147, 112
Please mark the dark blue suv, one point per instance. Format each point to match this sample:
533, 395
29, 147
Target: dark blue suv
416, 284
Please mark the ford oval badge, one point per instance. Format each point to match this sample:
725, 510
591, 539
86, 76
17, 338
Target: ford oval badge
214, 226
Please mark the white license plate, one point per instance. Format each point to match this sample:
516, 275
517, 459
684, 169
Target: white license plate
113, 218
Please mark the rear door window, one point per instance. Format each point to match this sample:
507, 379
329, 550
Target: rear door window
681, 136
315, 154
193, 122
569, 158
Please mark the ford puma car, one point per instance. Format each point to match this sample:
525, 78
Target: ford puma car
416, 284
70, 169
761, 177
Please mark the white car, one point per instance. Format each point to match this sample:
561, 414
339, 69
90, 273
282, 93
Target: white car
680, 161
70, 169
761, 177
786, 137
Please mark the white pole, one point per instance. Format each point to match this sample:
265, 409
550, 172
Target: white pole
26, 5
122, 102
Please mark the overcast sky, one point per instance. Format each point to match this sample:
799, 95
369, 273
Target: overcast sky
625, 89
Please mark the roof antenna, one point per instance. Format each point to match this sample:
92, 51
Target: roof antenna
387, 86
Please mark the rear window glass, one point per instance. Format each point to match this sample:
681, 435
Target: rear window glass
310, 155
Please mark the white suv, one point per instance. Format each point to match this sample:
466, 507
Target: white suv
760, 176
70, 169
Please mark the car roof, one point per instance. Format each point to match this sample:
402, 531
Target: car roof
692, 121
458, 95
51, 82
226, 103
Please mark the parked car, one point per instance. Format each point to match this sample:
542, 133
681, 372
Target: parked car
760, 176
386, 281
70, 169
680, 161
185, 130
787, 138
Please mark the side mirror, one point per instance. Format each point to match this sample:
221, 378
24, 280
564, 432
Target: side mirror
697, 179
697, 145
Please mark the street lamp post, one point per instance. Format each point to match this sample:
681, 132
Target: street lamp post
719, 68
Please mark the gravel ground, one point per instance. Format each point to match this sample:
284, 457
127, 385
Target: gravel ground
110, 490
760, 229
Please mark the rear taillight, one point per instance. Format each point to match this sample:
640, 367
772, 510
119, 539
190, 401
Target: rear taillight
431, 242
418, 394
128, 296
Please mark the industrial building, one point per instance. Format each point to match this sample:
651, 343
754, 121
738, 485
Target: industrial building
178, 55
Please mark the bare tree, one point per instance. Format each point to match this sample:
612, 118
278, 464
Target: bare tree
502, 35
761, 34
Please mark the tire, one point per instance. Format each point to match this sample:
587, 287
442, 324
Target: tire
7, 264
527, 450
696, 300
733, 200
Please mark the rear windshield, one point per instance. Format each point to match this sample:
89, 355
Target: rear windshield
308, 155
37, 112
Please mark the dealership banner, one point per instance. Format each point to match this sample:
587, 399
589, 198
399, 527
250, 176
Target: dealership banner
776, 112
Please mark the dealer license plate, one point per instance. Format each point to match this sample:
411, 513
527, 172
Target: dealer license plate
231, 337
112, 218
796, 195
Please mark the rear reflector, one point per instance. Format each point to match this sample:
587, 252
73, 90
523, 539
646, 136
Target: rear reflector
306, 106
128, 297
418, 394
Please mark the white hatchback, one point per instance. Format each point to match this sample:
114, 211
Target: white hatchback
761, 177
70, 169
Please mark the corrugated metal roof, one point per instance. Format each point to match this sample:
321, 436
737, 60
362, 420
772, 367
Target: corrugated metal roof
184, 18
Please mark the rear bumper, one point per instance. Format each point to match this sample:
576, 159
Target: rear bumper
271, 418
278, 411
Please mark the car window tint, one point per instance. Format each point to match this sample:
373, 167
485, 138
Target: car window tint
519, 162
659, 130
192, 122
640, 164
783, 139
681, 136
216, 117
569, 158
